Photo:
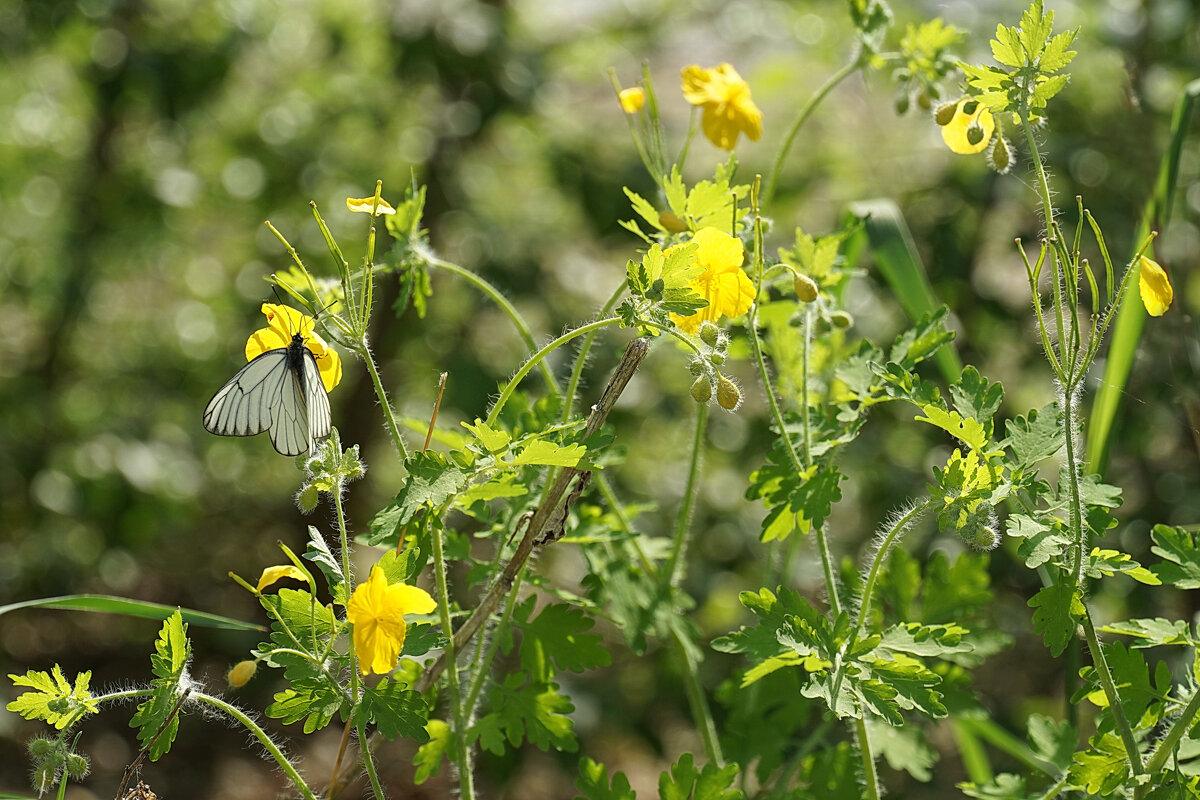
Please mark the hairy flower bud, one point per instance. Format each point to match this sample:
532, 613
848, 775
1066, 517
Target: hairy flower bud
702, 389
945, 112
841, 319
241, 673
306, 498
806, 288
717, 358
729, 396
1000, 155
975, 133
709, 333
77, 766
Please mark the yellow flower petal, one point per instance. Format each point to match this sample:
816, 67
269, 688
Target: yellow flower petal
283, 322
272, 575
1154, 286
377, 612
725, 97
954, 133
724, 283
632, 99
366, 205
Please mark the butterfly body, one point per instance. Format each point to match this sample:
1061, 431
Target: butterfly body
281, 391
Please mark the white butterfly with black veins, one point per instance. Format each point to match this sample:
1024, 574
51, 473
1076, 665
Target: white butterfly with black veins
281, 391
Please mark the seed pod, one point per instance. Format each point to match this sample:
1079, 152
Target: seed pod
901, 101
806, 288
945, 112
40, 747
709, 333
970, 106
729, 396
672, 222
717, 358
702, 389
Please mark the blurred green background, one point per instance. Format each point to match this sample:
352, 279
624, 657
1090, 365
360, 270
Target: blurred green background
142, 144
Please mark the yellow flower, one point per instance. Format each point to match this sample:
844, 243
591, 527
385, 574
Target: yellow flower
1154, 286
723, 283
725, 98
377, 612
282, 323
272, 575
632, 100
364, 205
957, 132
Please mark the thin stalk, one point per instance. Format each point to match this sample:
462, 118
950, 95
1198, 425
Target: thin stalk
695, 694
889, 539
537, 358
1058, 786
466, 778
805, 112
488, 654
369, 762
581, 359
868, 760
343, 542
263, 739
676, 563
365, 353
1110, 691
500, 300
1074, 508
1166, 747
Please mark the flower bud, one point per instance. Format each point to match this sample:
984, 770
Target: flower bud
924, 100
717, 358
77, 766
1000, 156
945, 112
974, 133
702, 389
43, 776
40, 747
841, 319
306, 498
806, 288
979, 530
729, 396
970, 107
632, 99
696, 367
241, 673
901, 102
672, 222
709, 333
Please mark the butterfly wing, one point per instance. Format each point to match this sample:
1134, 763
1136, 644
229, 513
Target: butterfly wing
243, 406
320, 421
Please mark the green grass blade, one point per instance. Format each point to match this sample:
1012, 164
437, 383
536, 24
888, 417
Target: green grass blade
131, 608
972, 753
1131, 317
896, 256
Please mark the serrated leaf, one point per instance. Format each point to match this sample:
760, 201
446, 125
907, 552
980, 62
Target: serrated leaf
976, 398
54, 700
503, 485
318, 552
968, 431
1181, 567
1056, 55
428, 759
926, 640
684, 782
1107, 562
1058, 611
1154, 632
315, 701
1006, 47
558, 633
396, 710
913, 683
594, 783
1046, 88
904, 748
525, 711
1042, 543
493, 441
1035, 437
168, 662
432, 479
1053, 741
644, 209
542, 452
1102, 768
761, 641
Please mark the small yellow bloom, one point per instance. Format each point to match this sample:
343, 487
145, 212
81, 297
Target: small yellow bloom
272, 575
241, 673
1154, 286
282, 323
956, 133
632, 99
725, 98
723, 283
376, 610
365, 205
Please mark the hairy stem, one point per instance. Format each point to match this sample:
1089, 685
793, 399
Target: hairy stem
1132, 754
365, 353
695, 694
676, 562
466, 777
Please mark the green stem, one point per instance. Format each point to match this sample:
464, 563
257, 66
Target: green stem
364, 744
676, 562
868, 760
344, 544
262, 737
889, 539
500, 300
581, 359
365, 353
805, 112
695, 694
484, 664
537, 358
1056, 788
1132, 755
1166, 747
466, 778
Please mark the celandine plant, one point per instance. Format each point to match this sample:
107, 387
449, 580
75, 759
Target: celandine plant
833, 686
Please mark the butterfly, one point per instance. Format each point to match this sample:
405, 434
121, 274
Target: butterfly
280, 390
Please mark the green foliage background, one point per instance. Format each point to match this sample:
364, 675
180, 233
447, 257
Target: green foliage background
143, 143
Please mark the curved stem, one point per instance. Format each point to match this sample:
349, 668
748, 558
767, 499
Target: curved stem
676, 563
1166, 747
695, 694
889, 539
369, 762
262, 737
537, 358
500, 300
581, 359
805, 112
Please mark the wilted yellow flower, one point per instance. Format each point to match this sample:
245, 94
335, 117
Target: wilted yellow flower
723, 283
272, 575
364, 205
377, 612
282, 323
632, 99
1155, 287
958, 134
725, 98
